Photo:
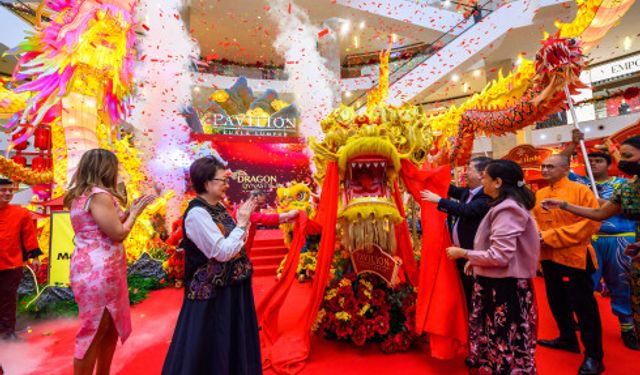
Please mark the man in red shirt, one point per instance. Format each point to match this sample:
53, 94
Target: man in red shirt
18, 242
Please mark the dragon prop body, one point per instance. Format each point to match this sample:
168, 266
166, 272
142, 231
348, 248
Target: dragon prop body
77, 70
533, 90
559, 63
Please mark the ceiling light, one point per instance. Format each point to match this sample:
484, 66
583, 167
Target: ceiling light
345, 27
587, 129
455, 77
394, 38
543, 136
626, 43
477, 73
347, 94
518, 60
446, 4
362, 25
355, 42
465, 87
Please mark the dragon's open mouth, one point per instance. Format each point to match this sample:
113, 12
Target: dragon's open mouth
366, 179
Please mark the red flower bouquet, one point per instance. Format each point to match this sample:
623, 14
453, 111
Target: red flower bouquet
363, 308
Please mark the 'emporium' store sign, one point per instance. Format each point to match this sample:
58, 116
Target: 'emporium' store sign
616, 68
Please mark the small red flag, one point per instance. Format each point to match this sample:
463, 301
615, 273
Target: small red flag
323, 32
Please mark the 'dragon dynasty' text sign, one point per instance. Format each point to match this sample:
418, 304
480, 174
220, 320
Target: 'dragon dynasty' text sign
260, 163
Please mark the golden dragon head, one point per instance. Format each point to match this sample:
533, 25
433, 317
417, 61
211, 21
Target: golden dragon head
368, 148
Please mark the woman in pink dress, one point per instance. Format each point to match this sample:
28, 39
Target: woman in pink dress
98, 265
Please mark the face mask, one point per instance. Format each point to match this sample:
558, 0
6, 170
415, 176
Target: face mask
631, 168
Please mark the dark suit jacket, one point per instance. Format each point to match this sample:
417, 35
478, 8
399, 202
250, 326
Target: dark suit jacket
469, 214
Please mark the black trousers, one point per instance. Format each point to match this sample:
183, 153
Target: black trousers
467, 282
569, 291
9, 283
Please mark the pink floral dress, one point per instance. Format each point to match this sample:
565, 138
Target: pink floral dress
98, 275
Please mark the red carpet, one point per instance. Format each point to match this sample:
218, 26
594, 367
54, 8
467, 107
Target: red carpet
267, 252
48, 348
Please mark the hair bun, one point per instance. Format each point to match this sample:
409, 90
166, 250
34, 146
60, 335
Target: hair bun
520, 183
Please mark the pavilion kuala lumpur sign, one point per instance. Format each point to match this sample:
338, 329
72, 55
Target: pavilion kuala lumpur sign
374, 260
221, 120
238, 111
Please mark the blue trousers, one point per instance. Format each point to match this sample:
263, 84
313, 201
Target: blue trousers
614, 267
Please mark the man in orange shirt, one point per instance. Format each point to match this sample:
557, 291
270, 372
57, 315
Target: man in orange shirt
568, 260
18, 242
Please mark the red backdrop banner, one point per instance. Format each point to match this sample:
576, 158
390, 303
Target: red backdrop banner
260, 162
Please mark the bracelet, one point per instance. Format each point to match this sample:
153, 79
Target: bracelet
563, 205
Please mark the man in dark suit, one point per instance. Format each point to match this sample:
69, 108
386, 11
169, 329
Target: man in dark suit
468, 207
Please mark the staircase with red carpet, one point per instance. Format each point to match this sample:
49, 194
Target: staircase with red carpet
267, 252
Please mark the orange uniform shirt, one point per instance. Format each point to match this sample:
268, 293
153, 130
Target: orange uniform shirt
567, 237
18, 240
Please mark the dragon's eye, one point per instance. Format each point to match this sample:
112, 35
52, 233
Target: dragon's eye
301, 196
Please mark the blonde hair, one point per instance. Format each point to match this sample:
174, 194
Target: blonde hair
97, 168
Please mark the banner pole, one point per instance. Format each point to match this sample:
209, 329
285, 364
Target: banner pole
587, 166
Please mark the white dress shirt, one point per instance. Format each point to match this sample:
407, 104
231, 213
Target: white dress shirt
203, 231
472, 193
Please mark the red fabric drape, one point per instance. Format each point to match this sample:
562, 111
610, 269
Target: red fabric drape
286, 352
440, 309
403, 240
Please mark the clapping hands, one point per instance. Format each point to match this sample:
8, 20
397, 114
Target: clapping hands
243, 215
140, 203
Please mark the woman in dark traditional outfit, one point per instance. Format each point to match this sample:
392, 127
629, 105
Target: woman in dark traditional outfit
217, 330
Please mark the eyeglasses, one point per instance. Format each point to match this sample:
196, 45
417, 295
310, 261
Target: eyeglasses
547, 166
6, 190
223, 180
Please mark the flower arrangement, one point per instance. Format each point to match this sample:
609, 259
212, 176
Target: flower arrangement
174, 265
363, 308
306, 266
308, 260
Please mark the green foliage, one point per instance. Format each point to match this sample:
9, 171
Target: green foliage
139, 288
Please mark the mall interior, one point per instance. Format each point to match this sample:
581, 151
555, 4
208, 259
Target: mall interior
292, 96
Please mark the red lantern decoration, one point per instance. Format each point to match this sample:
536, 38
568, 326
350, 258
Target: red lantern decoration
630, 93
19, 159
39, 164
42, 138
22, 145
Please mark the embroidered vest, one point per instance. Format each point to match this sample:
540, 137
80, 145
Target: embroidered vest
202, 275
